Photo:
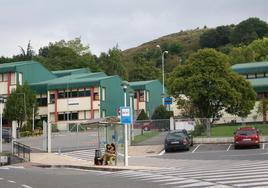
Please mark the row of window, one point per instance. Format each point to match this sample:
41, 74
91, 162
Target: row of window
4, 78
68, 116
256, 75
142, 96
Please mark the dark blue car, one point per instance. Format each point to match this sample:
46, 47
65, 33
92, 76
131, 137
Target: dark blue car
177, 140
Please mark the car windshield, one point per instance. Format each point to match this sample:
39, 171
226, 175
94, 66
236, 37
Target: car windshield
175, 135
246, 132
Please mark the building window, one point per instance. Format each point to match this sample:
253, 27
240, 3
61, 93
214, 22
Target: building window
13, 79
52, 98
103, 93
147, 96
96, 96
103, 113
5, 77
20, 78
142, 99
42, 101
68, 116
74, 93
250, 76
261, 75
61, 94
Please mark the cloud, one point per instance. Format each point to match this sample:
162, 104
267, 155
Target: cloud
104, 23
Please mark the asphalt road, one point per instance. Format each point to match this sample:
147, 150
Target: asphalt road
33, 177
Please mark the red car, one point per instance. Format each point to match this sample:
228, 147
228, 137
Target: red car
246, 136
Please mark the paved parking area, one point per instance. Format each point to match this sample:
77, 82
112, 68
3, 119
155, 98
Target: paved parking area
220, 147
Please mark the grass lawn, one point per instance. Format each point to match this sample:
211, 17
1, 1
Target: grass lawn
146, 135
228, 130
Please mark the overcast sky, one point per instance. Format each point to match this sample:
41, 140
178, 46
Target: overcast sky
104, 23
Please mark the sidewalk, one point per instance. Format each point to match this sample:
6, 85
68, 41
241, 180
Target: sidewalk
48, 160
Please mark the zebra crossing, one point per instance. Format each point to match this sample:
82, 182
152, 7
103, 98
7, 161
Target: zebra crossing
85, 155
236, 174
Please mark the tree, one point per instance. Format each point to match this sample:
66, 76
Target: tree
161, 113
60, 56
260, 49
211, 86
263, 109
215, 38
20, 104
249, 30
112, 63
75, 44
143, 115
242, 54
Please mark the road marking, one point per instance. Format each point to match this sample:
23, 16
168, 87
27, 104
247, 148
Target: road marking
196, 148
263, 146
1, 178
10, 181
229, 147
182, 182
16, 167
162, 152
26, 186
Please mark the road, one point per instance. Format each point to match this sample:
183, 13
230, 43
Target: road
33, 177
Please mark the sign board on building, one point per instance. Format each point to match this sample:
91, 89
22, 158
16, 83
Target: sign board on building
74, 101
125, 115
168, 100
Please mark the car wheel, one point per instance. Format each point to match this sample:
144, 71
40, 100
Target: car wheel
258, 146
235, 147
167, 150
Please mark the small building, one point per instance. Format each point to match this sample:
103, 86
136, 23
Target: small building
257, 74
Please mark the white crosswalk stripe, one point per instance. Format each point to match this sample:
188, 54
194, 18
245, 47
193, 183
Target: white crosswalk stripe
11, 167
85, 155
235, 174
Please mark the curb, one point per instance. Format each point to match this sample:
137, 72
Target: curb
81, 167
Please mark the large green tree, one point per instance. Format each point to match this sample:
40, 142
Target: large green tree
20, 104
211, 86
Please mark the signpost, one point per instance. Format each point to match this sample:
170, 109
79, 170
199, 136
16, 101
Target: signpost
125, 119
125, 115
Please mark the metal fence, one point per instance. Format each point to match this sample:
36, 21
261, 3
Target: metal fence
22, 151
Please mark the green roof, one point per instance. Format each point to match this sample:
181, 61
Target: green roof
141, 84
72, 81
247, 68
11, 67
259, 84
61, 73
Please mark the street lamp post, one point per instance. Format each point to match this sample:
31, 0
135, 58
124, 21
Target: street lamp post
125, 85
163, 71
1, 122
131, 95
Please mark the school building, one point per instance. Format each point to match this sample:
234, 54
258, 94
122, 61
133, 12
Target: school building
77, 95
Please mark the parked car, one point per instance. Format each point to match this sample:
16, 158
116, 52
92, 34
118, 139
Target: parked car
246, 136
6, 134
177, 140
190, 137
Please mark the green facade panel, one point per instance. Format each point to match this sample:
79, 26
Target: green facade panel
114, 95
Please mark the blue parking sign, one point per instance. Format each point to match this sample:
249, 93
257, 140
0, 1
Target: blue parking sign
125, 115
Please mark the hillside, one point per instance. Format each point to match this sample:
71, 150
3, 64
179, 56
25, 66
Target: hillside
189, 41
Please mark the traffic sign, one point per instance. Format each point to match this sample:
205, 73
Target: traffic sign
125, 115
168, 100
